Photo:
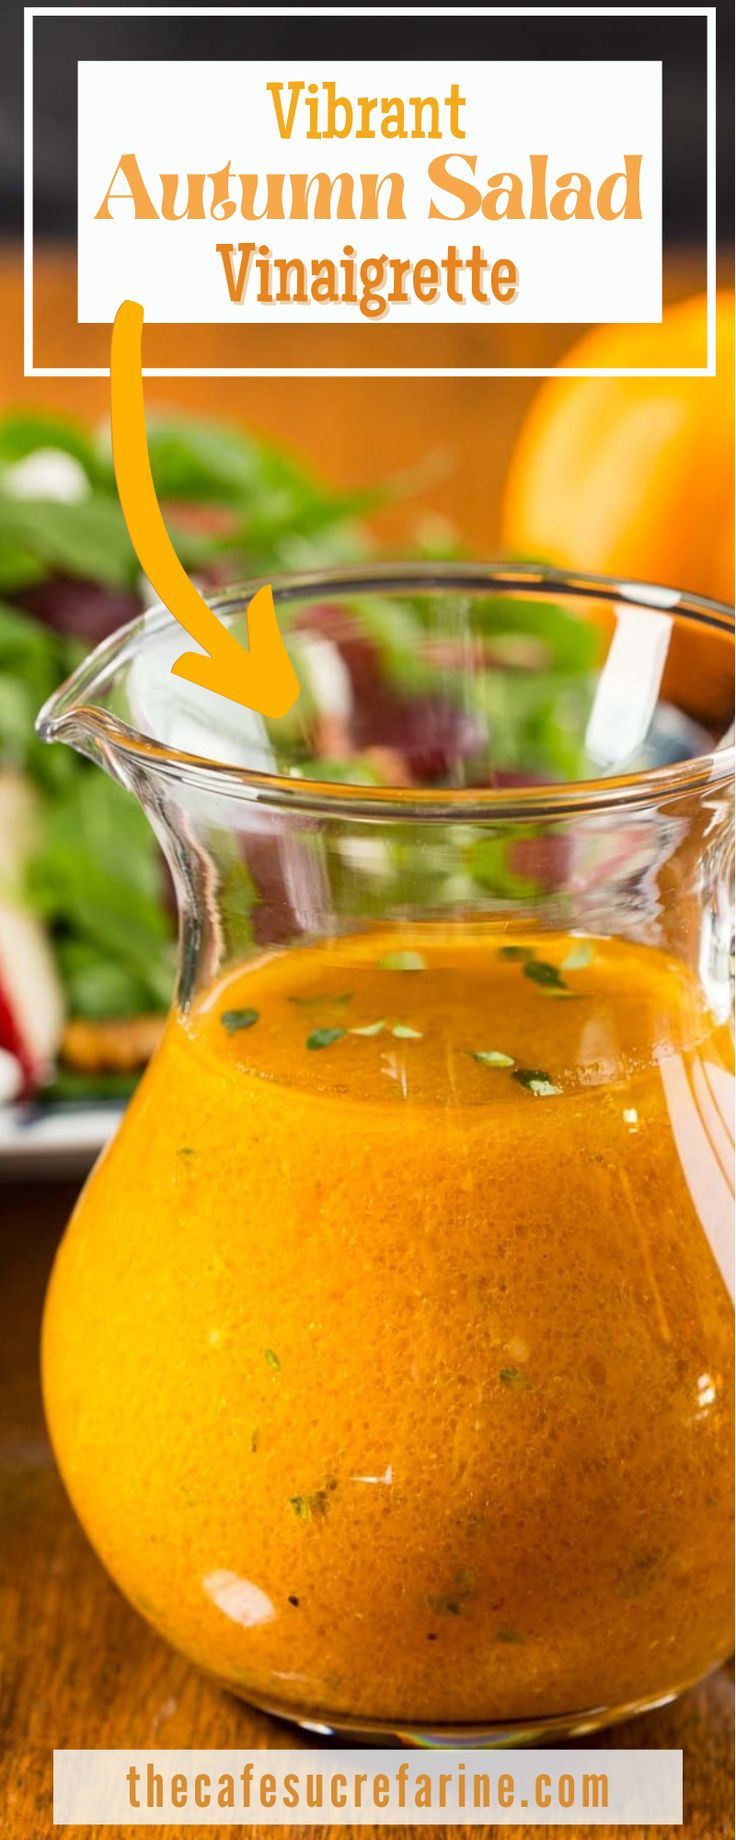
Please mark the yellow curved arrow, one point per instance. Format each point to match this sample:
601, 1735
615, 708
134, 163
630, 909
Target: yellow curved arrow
262, 678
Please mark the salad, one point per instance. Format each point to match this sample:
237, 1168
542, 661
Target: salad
87, 930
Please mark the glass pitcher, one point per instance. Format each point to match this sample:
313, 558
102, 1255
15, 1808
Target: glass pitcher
387, 1355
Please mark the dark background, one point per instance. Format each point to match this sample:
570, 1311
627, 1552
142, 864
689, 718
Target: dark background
679, 41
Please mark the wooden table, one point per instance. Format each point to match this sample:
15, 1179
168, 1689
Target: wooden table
80, 1669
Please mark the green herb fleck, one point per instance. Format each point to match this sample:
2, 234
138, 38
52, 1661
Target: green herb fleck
255, 1438
515, 1378
272, 1360
507, 1634
312, 1507
536, 1082
492, 1057
452, 1603
638, 1575
445, 1606
371, 1028
234, 1019
516, 955
579, 955
403, 1033
402, 961
186, 1150
300, 1505
324, 1038
326, 996
547, 975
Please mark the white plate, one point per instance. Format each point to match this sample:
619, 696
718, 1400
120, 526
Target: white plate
50, 1143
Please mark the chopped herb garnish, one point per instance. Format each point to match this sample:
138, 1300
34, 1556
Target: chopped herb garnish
516, 955
451, 1603
272, 1360
186, 1150
492, 1057
579, 956
326, 996
402, 961
536, 1082
371, 1028
638, 1575
294, 1601
516, 1378
465, 1578
506, 1634
324, 1038
312, 1507
255, 1438
546, 975
234, 1019
403, 1033
300, 1505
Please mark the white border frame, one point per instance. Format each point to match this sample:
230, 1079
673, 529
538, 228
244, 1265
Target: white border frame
31, 13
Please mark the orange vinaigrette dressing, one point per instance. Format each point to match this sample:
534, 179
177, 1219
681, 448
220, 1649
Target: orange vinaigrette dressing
387, 1355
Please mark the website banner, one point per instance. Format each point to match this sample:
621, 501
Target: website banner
368, 1788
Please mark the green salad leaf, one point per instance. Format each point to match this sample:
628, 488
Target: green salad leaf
24, 432
97, 882
238, 506
33, 660
88, 538
95, 875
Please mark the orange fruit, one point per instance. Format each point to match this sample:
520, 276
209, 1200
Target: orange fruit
633, 477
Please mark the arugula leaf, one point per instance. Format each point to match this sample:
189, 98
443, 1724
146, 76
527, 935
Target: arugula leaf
72, 1087
572, 644
97, 876
88, 539
354, 772
536, 719
19, 568
29, 651
490, 862
23, 433
201, 461
218, 463
97, 986
33, 660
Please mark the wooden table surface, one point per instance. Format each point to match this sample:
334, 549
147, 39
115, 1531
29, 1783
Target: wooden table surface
80, 1668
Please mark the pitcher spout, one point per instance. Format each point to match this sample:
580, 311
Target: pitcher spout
81, 712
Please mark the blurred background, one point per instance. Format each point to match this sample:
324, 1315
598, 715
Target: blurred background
624, 477
454, 436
